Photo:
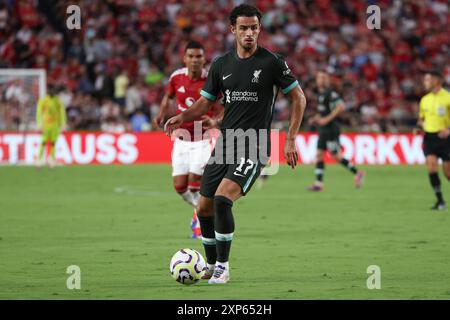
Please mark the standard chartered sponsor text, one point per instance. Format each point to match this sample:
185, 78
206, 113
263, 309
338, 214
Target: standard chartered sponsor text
244, 96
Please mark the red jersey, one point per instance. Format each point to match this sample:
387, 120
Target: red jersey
187, 91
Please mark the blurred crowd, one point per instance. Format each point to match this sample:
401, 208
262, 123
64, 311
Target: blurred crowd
112, 73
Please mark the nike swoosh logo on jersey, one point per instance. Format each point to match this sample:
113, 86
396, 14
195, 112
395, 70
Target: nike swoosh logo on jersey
224, 77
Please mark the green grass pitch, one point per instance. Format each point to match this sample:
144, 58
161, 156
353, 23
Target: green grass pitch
121, 225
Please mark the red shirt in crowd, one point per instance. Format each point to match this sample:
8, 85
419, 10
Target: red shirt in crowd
27, 14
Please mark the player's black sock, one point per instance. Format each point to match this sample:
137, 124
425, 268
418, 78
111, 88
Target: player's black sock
436, 185
349, 166
224, 226
208, 238
320, 167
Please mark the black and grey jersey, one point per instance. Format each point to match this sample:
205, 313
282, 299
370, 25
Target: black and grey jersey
327, 101
249, 87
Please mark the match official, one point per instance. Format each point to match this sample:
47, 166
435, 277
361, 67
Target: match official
434, 119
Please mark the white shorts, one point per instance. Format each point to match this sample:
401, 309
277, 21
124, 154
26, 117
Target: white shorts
190, 156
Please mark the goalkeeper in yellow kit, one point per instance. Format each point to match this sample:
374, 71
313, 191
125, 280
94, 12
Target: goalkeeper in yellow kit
50, 119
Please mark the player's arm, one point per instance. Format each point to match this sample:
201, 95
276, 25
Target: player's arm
313, 119
336, 111
420, 119
338, 108
39, 114
445, 133
164, 106
216, 120
198, 109
62, 116
298, 106
289, 86
419, 126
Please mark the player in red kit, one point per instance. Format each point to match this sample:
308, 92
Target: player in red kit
190, 151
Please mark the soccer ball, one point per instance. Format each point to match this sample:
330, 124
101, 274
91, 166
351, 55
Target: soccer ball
187, 266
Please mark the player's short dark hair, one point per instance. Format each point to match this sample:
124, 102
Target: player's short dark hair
244, 10
52, 88
323, 70
435, 73
194, 45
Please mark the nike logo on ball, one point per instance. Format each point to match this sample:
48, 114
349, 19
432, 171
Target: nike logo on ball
224, 77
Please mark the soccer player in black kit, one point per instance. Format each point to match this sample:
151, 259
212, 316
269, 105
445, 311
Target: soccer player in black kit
329, 106
248, 77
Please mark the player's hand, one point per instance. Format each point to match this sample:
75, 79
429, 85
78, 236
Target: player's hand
444, 134
158, 121
322, 121
290, 153
209, 123
312, 121
416, 131
172, 124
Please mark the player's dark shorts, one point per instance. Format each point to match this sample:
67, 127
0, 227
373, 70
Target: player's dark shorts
329, 140
244, 172
433, 145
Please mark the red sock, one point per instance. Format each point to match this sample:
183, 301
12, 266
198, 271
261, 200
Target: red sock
194, 186
180, 189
